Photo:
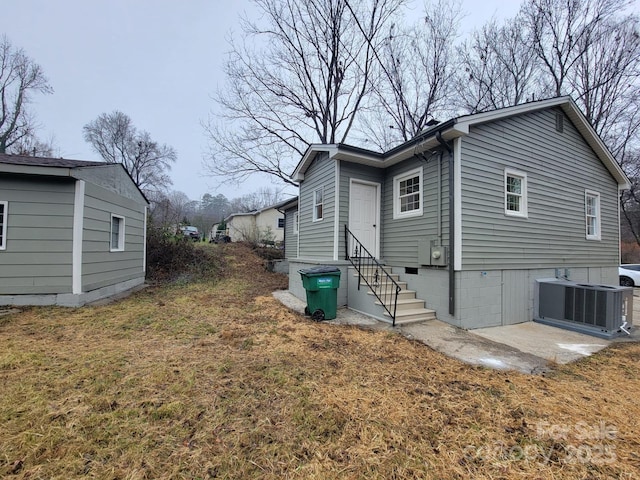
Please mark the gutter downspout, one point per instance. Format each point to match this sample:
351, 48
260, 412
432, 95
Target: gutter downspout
452, 278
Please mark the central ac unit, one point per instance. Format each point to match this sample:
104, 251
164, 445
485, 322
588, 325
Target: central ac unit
600, 310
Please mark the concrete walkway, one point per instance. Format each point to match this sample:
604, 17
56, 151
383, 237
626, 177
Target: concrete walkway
527, 347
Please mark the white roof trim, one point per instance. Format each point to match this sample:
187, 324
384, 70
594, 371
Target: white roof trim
460, 128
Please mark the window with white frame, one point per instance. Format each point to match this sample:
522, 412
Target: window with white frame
318, 203
407, 194
515, 193
592, 215
4, 206
117, 233
296, 223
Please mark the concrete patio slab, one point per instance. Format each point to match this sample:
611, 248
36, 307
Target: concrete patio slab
527, 347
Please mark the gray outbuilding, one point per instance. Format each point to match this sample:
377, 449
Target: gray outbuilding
70, 231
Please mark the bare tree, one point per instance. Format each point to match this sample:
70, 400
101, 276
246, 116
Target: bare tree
417, 66
20, 77
304, 83
114, 137
169, 209
499, 68
563, 31
264, 197
30, 145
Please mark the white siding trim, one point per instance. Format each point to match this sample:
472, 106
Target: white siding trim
121, 234
298, 234
144, 240
597, 235
416, 172
524, 209
5, 216
457, 204
78, 228
336, 211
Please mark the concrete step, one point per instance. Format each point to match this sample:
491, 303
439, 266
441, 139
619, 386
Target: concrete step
402, 294
407, 317
404, 304
370, 276
387, 285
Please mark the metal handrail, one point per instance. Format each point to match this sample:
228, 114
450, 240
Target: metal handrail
383, 286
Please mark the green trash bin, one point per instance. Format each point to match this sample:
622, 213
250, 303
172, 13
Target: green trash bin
321, 284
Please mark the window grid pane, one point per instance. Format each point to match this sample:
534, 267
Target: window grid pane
514, 185
317, 204
592, 215
410, 194
115, 232
514, 194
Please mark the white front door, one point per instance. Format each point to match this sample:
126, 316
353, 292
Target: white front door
364, 215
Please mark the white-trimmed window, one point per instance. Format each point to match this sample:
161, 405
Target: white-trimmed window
4, 212
318, 204
407, 194
117, 233
296, 223
592, 214
515, 193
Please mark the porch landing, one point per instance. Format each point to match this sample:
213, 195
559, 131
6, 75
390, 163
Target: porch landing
526, 347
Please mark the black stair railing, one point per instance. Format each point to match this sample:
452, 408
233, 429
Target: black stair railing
379, 281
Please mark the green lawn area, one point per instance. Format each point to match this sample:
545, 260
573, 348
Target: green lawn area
215, 379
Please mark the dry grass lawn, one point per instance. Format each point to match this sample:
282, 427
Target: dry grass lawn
218, 380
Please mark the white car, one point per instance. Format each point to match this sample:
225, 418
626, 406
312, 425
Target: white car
629, 275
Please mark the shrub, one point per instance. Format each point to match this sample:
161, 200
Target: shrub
171, 257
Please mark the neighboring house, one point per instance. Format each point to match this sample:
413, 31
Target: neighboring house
264, 225
290, 211
71, 231
469, 213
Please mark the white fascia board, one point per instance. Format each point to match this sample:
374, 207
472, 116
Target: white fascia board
596, 143
307, 158
35, 170
477, 118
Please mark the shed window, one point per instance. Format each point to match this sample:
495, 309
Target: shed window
592, 215
515, 193
117, 233
407, 194
281, 223
296, 223
3, 224
318, 202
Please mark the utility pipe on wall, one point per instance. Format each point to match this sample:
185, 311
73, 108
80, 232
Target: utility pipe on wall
452, 278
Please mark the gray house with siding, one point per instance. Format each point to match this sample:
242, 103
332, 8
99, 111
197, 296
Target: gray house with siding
70, 231
467, 215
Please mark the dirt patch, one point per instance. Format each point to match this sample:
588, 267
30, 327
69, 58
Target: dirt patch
219, 380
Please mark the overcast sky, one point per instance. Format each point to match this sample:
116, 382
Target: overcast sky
158, 61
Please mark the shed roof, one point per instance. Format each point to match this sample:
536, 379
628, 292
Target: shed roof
56, 167
46, 161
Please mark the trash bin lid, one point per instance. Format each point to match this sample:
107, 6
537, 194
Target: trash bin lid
319, 270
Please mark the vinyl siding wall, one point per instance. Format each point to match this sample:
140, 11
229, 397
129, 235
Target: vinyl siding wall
316, 238
400, 236
100, 266
267, 225
38, 257
559, 168
290, 238
349, 171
